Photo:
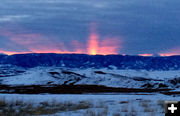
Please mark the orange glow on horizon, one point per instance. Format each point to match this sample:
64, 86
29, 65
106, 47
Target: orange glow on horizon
36, 51
105, 46
171, 52
12, 52
145, 54
93, 44
38, 43
168, 54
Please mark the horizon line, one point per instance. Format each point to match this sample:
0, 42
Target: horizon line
141, 55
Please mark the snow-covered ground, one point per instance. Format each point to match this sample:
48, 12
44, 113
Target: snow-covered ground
135, 73
106, 77
117, 104
104, 105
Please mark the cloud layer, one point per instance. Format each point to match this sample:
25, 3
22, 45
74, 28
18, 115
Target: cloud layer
122, 26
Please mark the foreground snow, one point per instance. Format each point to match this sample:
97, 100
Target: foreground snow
111, 105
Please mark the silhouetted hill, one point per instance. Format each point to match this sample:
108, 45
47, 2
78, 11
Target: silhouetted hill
90, 61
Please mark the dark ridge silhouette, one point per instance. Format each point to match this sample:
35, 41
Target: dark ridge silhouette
92, 61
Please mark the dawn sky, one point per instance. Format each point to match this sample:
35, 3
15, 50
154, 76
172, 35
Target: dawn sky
92, 27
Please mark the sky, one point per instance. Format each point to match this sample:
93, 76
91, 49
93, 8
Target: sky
133, 27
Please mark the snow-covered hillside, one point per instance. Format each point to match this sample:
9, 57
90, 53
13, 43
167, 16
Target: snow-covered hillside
107, 77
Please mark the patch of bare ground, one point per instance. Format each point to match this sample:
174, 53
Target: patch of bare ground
87, 107
20, 108
70, 89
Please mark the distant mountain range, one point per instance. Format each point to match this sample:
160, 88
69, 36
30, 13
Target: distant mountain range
92, 61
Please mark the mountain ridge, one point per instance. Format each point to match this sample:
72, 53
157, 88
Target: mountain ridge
92, 61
